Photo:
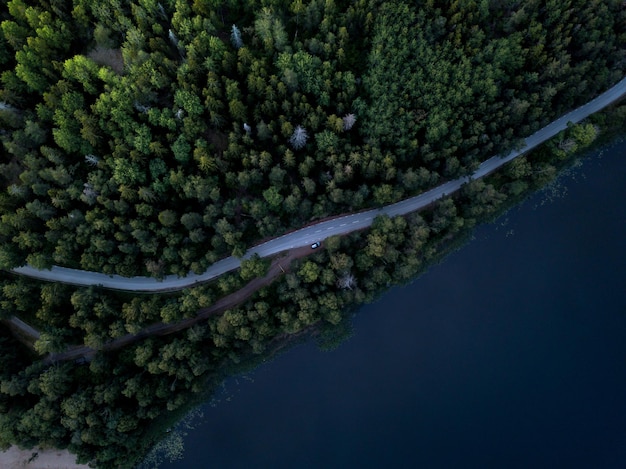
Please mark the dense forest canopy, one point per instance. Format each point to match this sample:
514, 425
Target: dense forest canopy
148, 138
156, 137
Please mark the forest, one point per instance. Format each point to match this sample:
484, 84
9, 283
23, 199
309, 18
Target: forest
154, 138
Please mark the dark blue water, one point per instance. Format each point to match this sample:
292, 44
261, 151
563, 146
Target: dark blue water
510, 354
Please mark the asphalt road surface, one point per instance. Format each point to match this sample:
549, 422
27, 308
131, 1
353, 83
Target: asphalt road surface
322, 230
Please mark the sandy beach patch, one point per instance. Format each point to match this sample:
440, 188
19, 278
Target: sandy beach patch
36, 458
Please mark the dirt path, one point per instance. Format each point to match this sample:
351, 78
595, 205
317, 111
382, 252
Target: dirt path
23, 332
278, 266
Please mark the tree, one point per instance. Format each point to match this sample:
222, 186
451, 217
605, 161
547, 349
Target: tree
55, 381
270, 30
235, 37
128, 173
273, 198
191, 220
181, 149
298, 138
15, 34
445, 216
347, 281
253, 267
84, 71
384, 194
348, 121
326, 141
309, 272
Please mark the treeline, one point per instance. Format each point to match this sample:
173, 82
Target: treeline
156, 137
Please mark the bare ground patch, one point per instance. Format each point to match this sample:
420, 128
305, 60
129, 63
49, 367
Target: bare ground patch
108, 57
38, 458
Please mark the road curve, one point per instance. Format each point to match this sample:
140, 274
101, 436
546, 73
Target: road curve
320, 231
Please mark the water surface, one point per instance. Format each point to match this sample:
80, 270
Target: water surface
510, 354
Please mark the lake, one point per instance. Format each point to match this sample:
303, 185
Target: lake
509, 354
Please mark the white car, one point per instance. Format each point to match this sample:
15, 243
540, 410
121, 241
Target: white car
315, 245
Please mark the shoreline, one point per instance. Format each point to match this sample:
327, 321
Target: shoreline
38, 458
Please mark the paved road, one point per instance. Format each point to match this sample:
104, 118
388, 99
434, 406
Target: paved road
323, 230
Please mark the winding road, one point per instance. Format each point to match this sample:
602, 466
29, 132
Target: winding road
322, 230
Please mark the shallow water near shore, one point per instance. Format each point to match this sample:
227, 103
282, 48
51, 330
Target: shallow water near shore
511, 353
